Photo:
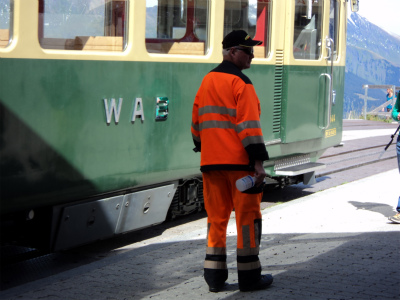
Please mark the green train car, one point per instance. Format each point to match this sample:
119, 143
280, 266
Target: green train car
96, 99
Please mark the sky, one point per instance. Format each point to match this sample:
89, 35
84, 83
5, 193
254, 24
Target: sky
384, 13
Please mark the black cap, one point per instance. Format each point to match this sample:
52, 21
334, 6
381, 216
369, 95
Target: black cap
239, 38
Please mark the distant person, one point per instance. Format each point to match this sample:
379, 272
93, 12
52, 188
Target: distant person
389, 97
396, 117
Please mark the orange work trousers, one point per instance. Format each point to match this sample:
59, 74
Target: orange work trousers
220, 198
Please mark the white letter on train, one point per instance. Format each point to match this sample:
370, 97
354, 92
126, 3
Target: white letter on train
138, 110
112, 108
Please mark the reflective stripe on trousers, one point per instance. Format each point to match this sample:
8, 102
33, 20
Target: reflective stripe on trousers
220, 198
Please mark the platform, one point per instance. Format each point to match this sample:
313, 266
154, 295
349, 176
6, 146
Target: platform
334, 244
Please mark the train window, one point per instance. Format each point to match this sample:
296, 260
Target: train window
87, 25
307, 29
253, 16
334, 26
6, 23
177, 26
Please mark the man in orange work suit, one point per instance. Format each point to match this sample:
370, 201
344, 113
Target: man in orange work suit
226, 130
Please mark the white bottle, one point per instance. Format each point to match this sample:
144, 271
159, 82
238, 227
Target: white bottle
245, 183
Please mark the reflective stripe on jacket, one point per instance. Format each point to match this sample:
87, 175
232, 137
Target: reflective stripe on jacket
226, 121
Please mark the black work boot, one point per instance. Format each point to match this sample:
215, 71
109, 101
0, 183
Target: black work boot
264, 282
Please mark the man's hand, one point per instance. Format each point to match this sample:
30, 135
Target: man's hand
259, 172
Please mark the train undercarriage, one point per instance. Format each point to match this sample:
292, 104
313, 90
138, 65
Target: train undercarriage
70, 225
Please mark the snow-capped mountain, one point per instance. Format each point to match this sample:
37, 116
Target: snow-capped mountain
363, 34
373, 57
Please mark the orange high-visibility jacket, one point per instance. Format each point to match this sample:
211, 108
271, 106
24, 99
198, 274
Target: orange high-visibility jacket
226, 121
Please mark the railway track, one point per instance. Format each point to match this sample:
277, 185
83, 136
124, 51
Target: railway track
339, 162
363, 147
352, 151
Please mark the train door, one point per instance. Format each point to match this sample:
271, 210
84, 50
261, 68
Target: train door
307, 98
336, 59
